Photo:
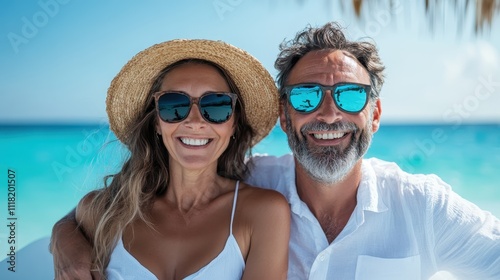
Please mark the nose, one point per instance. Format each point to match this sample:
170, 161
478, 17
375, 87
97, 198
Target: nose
328, 111
194, 119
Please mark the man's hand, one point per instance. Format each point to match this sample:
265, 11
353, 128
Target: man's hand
71, 251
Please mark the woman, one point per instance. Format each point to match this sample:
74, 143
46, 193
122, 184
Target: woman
188, 111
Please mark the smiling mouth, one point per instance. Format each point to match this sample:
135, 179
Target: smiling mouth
194, 142
329, 136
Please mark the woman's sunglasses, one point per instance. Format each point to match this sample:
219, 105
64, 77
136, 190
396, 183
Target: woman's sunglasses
215, 107
348, 97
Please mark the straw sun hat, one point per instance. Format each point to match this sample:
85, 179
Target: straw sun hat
129, 90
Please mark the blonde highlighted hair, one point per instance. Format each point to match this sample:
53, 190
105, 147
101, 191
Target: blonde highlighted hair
129, 194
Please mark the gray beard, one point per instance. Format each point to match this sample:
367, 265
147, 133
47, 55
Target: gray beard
329, 164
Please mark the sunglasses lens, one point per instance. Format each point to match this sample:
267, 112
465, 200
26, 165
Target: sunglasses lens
350, 98
305, 98
173, 107
216, 107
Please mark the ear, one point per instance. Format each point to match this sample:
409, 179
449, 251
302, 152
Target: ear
157, 127
282, 115
377, 112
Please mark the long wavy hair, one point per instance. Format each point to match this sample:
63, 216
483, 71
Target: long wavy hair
129, 194
329, 37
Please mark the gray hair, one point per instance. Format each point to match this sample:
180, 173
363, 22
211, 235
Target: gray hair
329, 36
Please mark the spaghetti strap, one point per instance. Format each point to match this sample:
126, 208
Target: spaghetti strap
234, 206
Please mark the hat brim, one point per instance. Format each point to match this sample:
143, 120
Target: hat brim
129, 90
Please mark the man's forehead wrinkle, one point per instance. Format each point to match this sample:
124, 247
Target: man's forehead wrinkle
328, 67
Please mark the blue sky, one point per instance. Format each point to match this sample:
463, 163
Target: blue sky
59, 56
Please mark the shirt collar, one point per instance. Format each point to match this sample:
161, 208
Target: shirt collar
368, 195
368, 198
297, 206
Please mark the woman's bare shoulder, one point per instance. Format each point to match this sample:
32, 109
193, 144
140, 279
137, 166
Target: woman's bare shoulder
266, 214
86, 200
260, 201
83, 210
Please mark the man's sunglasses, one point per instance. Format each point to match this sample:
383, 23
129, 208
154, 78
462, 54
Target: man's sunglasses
348, 97
215, 107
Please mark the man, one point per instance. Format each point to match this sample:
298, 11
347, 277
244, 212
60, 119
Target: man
351, 218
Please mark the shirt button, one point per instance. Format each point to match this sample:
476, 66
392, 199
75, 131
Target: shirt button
322, 257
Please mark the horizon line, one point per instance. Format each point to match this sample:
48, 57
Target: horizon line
106, 124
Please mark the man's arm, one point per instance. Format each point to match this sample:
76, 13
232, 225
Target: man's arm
71, 250
467, 239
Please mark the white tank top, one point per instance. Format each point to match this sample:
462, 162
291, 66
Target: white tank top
229, 264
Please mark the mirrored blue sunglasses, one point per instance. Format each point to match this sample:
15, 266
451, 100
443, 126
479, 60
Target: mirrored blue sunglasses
215, 107
348, 97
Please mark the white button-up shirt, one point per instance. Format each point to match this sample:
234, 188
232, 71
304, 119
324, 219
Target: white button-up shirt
404, 226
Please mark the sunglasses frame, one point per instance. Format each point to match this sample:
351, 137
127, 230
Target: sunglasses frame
289, 88
195, 100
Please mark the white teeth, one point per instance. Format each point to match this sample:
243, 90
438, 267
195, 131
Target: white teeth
328, 135
194, 142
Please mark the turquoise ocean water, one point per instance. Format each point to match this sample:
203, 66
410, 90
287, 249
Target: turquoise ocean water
56, 165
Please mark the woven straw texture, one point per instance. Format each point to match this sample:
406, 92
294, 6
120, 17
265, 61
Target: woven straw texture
128, 91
